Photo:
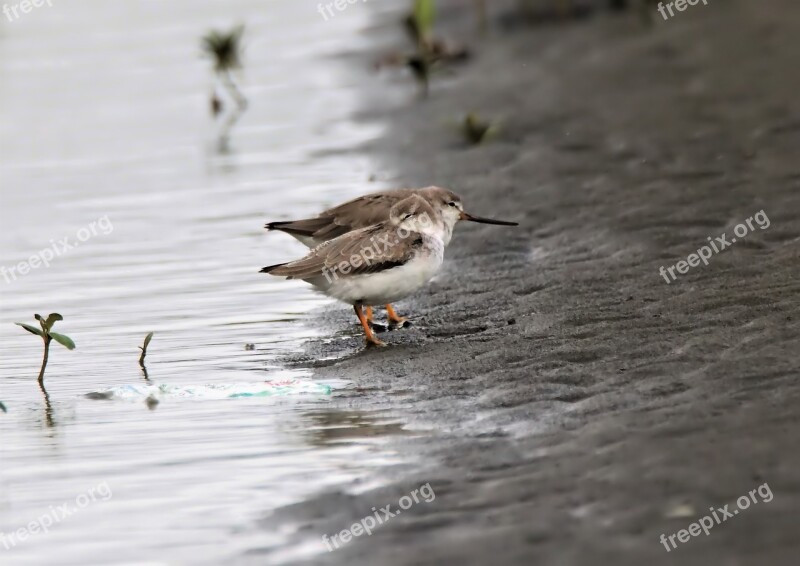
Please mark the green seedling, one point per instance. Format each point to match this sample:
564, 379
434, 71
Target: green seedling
3, 407
47, 335
424, 15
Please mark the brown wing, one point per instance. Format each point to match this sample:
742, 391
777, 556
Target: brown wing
360, 212
363, 251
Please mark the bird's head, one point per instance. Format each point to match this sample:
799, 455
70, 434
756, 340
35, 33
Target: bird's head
415, 214
451, 209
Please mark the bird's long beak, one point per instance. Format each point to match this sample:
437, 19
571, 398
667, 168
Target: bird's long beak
465, 216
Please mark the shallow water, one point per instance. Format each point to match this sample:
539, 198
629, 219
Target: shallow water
104, 119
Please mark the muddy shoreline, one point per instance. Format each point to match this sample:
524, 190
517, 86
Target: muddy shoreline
570, 405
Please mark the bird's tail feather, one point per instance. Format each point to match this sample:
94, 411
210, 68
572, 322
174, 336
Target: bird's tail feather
271, 268
277, 225
305, 227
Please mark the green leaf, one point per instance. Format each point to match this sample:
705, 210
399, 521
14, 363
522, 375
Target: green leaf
65, 341
38, 317
424, 14
147, 340
52, 319
30, 329
3, 407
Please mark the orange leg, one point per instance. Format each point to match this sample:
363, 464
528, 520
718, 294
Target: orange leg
371, 340
368, 313
394, 318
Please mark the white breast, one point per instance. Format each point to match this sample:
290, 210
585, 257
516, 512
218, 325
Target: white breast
390, 285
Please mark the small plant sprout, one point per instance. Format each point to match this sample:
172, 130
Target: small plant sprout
420, 24
476, 131
2, 407
45, 331
420, 66
430, 51
225, 51
422, 19
143, 348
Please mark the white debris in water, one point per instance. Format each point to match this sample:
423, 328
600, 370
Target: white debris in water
214, 391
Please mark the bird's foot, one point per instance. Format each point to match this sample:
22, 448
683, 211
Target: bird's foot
373, 342
395, 320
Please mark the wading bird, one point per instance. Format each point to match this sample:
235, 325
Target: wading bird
373, 208
378, 264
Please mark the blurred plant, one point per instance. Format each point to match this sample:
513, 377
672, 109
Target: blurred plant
2, 407
475, 130
412, 29
48, 336
430, 51
420, 65
216, 104
425, 15
143, 348
225, 51
419, 23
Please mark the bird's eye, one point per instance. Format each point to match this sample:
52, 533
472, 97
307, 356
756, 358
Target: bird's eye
451, 203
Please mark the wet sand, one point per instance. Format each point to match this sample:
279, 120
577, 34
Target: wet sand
570, 405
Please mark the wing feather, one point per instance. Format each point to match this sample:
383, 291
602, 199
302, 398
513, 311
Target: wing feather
361, 212
366, 244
